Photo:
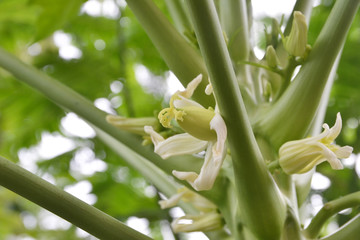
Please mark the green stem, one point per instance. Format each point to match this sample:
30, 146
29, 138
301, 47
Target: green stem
147, 169
259, 199
299, 103
64, 204
179, 16
328, 210
234, 21
72, 101
350, 230
179, 55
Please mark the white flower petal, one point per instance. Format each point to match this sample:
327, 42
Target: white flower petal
187, 176
190, 88
301, 156
344, 152
192, 223
208, 173
179, 144
171, 202
182, 102
155, 137
335, 130
218, 124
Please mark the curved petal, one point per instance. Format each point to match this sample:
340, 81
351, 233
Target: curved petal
179, 144
171, 202
335, 130
190, 88
155, 137
331, 157
218, 124
182, 102
343, 152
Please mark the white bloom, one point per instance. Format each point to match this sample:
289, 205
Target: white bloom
205, 130
301, 156
179, 144
208, 218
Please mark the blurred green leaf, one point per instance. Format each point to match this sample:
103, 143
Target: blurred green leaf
54, 14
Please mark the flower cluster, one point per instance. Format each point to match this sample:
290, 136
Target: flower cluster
204, 130
301, 156
208, 218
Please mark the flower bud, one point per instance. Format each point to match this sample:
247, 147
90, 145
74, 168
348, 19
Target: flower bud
133, 125
271, 57
295, 43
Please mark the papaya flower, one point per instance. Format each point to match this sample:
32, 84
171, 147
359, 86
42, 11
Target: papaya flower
133, 125
207, 219
204, 130
301, 156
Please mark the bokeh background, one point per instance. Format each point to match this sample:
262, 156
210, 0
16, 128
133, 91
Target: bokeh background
98, 48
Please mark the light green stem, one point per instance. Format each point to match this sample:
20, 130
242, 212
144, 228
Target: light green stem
299, 103
233, 17
64, 204
147, 169
179, 55
259, 199
328, 210
72, 101
179, 16
350, 230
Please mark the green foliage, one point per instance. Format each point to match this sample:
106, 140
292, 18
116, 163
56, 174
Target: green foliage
53, 15
124, 46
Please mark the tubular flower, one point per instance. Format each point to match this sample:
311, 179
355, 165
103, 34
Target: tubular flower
301, 156
133, 125
208, 218
205, 129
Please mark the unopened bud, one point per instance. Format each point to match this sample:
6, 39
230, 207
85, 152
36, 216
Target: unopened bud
295, 43
271, 57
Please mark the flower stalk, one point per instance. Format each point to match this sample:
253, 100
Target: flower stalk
328, 210
258, 196
64, 204
179, 55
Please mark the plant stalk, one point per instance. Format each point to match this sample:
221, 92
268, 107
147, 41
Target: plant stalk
328, 210
179, 55
259, 199
72, 101
350, 230
64, 204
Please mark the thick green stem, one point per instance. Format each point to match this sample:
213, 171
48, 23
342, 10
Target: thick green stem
64, 204
350, 230
72, 101
179, 16
328, 210
259, 199
234, 21
299, 103
179, 55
